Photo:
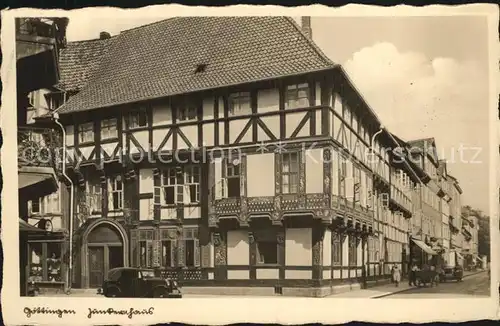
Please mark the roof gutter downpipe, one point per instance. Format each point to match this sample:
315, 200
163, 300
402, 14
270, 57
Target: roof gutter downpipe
71, 195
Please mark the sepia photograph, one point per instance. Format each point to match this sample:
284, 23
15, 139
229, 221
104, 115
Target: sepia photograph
184, 157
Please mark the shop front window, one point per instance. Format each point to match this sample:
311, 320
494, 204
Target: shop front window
45, 262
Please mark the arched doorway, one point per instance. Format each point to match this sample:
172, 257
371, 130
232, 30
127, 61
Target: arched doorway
106, 248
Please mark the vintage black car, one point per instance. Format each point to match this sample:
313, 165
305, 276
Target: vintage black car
451, 273
128, 282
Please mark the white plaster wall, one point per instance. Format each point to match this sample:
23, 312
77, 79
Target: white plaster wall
260, 175
314, 170
268, 100
238, 250
238, 275
298, 247
327, 248
298, 275
162, 114
267, 274
70, 135
146, 183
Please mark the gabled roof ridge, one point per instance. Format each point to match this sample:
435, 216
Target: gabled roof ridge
90, 41
149, 24
310, 41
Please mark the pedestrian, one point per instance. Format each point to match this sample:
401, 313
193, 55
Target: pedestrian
413, 275
396, 275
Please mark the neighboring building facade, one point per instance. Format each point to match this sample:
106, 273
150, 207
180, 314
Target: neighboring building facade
42, 240
237, 167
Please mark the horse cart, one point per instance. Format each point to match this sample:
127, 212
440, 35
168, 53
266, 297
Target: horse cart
424, 277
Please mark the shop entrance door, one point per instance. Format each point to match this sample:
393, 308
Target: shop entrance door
105, 252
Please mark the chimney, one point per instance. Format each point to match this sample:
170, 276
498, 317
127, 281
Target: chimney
104, 35
306, 26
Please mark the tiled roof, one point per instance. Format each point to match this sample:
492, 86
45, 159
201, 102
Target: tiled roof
421, 143
160, 59
78, 61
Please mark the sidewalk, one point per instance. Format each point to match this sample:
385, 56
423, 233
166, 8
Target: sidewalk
384, 290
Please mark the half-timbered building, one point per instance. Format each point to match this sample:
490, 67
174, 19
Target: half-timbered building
230, 153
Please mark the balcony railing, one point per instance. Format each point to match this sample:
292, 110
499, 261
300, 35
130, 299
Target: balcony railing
37, 147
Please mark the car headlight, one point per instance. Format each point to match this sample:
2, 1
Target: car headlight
174, 283
167, 282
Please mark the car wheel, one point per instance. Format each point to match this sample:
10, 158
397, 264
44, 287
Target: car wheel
112, 294
160, 293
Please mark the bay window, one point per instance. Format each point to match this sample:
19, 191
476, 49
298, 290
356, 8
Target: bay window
290, 173
86, 132
109, 129
239, 104
297, 96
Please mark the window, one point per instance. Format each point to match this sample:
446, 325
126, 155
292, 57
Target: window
173, 186
239, 104
297, 96
115, 189
192, 184
138, 119
233, 180
167, 253
187, 111
108, 129
353, 253
267, 246
336, 249
86, 132
36, 206
146, 253
46, 204
290, 173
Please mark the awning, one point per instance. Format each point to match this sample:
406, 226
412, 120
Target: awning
28, 179
424, 247
460, 255
26, 227
477, 257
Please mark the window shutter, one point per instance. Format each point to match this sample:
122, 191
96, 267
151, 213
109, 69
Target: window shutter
133, 248
369, 193
157, 194
349, 181
196, 253
186, 196
335, 174
362, 189
181, 257
173, 251
109, 195
219, 186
